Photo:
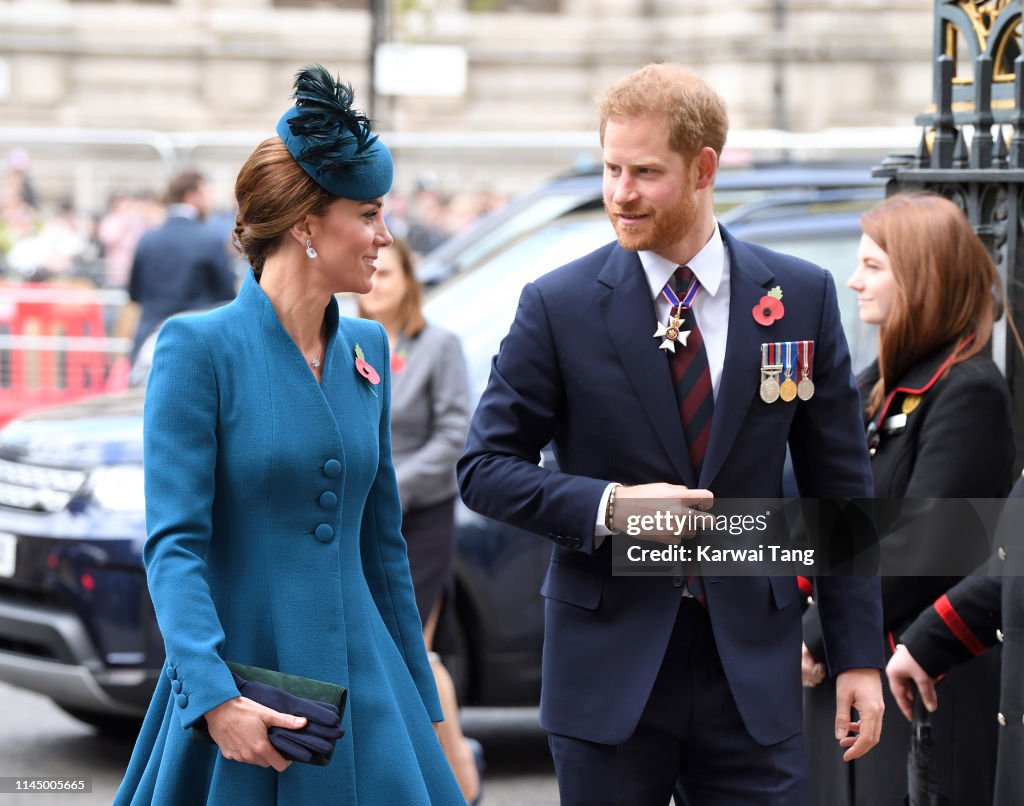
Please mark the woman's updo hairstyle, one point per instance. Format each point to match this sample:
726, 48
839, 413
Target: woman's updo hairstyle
272, 192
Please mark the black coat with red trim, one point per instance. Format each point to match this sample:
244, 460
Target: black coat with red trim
981, 612
944, 436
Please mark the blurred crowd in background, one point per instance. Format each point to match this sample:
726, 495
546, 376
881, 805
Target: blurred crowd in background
46, 242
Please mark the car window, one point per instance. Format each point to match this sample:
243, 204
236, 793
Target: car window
479, 306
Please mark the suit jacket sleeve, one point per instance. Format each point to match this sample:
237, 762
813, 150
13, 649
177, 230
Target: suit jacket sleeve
180, 454
384, 555
432, 466
516, 418
830, 460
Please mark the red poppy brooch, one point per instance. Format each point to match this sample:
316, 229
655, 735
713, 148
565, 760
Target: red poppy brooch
368, 373
769, 308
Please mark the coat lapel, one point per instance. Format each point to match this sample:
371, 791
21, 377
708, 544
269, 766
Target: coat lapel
749, 280
628, 313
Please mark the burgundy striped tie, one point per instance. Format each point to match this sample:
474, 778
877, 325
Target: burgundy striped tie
691, 377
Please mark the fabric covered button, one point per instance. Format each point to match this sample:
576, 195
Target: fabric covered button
332, 468
172, 673
324, 533
182, 700
328, 500
176, 686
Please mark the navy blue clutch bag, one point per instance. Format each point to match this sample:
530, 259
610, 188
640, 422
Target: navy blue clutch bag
322, 704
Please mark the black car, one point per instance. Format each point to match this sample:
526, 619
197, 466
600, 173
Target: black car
76, 622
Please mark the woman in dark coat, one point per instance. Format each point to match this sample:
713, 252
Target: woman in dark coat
983, 611
937, 415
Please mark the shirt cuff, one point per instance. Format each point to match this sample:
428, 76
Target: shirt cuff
600, 530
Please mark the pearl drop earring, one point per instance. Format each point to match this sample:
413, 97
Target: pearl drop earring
310, 251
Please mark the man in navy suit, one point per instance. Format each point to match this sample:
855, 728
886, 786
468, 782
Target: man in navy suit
649, 680
183, 264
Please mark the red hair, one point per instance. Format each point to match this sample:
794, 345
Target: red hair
947, 287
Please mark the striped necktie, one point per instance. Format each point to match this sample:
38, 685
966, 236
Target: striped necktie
691, 377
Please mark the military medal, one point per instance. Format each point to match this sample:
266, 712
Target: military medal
787, 390
679, 312
769, 373
672, 332
805, 389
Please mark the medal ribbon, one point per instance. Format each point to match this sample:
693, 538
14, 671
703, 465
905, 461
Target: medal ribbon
673, 299
787, 372
806, 356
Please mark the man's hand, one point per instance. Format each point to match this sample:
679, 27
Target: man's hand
811, 670
239, 727
860, 689
652, 499
904, 673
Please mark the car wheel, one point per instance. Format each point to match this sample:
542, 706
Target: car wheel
110, 725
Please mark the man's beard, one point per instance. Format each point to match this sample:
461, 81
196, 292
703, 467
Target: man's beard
661, 229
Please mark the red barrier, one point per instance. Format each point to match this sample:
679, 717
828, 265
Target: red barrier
57, 350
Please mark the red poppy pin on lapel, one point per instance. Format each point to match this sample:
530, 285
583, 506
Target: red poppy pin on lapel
769, 308
368, 373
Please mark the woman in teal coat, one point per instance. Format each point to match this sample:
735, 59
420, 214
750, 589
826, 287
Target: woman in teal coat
272, 507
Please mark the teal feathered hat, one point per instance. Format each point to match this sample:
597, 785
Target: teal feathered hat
332, 141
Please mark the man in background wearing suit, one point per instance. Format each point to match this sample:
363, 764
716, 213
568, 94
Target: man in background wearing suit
182, 265
649, 680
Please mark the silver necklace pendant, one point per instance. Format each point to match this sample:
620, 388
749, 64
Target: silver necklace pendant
316, 363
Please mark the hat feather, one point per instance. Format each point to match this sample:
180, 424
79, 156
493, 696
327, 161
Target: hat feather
325, 119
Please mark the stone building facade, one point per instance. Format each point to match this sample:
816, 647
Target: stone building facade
117, 93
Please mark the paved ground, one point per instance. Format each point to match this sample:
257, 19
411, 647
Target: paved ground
38, 739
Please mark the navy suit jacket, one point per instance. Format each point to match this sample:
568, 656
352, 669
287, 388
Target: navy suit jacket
580, 368
182, 265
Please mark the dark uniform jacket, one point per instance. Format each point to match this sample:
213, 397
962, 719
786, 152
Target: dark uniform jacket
944, 435
982, 612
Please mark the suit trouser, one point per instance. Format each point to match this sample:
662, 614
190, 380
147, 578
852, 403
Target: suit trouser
690, 730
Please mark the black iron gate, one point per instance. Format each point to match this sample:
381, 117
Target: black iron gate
972, 151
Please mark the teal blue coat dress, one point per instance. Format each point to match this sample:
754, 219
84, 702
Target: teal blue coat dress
274, 540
